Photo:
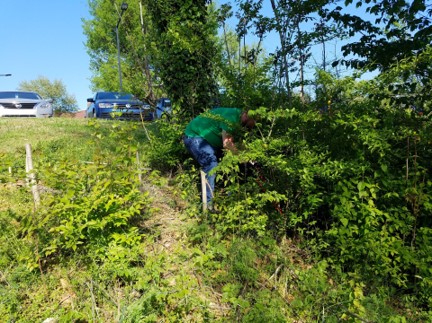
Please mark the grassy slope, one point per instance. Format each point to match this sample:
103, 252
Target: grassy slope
64, 289
16, 133
186, 272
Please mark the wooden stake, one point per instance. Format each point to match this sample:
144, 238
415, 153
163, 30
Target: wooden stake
204, 190
31, 175
138, 167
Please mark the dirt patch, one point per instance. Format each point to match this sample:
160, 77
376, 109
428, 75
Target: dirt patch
78, 115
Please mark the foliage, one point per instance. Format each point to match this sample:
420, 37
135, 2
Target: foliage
323, 215
352, 179
55, 90
378, 35
133, 26
307, 182
167, 150
401, 29
95, 211
184, 33
170, 44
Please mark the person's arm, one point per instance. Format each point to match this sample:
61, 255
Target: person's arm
228, 142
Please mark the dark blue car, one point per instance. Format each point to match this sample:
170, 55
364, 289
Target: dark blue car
163, 108
117, 105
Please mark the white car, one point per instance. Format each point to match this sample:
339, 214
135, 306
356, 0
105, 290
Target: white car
24, 104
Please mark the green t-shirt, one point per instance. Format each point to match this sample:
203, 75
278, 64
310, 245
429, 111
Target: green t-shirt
209, 125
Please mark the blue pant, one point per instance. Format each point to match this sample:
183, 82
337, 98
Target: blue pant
207, 156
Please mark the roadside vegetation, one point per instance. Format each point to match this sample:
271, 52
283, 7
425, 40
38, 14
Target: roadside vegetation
324, 214
312, 227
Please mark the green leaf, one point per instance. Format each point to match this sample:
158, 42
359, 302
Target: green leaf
344, 221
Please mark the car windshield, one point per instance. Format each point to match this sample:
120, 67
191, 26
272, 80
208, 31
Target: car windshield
114, 96
20, 95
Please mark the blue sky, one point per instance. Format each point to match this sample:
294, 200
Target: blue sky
45, 38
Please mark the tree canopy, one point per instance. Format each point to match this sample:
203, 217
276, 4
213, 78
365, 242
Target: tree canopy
167, 49
171, 48
55, 90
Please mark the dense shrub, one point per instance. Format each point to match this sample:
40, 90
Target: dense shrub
89, 208
353, 180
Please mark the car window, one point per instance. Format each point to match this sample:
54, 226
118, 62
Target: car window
28, 95
105, 96
114, 96
126, 96
164, 103
7, 95
19, 95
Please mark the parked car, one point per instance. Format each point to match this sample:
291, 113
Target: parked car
163, 106
24, 104
117, 105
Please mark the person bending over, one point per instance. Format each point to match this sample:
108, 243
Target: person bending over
208, 134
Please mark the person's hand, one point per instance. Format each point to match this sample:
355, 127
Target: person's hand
228, 142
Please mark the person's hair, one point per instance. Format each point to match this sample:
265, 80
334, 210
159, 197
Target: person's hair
247, 121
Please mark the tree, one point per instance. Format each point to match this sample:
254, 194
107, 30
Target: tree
167, 48
55, 90
291, 21
136, 49
396, 33
401, 29
185, 33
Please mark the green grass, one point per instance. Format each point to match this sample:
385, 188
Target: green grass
17, 132
55, 139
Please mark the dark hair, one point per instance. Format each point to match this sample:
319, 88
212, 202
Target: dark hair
247, 121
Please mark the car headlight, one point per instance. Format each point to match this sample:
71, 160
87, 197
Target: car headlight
105, 105
44, 105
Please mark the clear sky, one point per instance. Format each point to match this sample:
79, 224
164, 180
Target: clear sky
45, 38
